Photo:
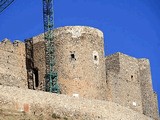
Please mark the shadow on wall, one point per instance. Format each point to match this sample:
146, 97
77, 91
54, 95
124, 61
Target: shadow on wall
32, 72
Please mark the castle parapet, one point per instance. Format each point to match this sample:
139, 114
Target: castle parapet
17, 47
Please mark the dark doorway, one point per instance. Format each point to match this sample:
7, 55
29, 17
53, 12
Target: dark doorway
35, 78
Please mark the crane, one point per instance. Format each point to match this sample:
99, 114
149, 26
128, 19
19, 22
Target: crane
51, 76
4, 4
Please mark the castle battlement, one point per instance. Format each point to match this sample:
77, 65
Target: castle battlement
17, 47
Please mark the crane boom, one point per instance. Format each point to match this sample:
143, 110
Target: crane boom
51, 77
4, 4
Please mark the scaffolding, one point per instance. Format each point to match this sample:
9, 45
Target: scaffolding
51, 76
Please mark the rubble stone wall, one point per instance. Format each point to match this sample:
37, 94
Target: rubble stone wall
40, 105
79, 61
129, 84
12, 64
149, 98
122, 81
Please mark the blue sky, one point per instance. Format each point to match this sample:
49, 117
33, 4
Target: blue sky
130, 26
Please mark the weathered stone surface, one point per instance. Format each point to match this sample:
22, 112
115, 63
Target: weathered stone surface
118, 87
149, 98
129, 84
79, 61
40, 105
123, 83
13, 64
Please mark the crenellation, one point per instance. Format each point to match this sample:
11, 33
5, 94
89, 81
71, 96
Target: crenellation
17, 47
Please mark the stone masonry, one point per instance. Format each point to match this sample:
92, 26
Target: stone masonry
13, 64
129, 84
122, 81
149, 98
93, 87
79, 61
37, 105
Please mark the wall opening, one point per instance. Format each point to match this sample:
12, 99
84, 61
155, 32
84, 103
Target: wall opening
73, 56
95, 57
131, 76
35, 78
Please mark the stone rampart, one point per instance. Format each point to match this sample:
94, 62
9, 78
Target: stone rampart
40, 105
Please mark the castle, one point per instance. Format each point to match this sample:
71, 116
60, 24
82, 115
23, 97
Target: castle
120, 86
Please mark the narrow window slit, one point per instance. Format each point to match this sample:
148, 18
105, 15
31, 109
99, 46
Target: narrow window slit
73, 57
131, 76
95, 57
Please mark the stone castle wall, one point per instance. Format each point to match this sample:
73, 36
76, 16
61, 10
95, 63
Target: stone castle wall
79, 61
122, 81
83, 72
149, 98
38, 105
129, 84
80, 66
13, 64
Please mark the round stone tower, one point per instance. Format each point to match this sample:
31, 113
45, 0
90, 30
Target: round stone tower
79, 61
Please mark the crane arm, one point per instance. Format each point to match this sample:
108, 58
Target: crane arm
4, 4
